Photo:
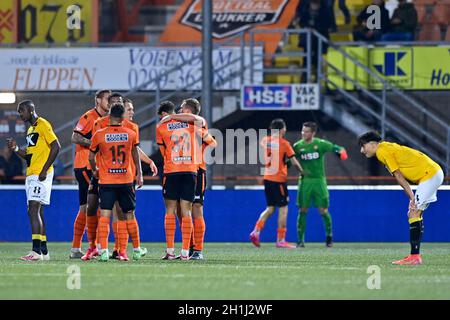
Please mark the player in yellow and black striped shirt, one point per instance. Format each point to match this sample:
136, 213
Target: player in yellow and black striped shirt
42, 149
407, 164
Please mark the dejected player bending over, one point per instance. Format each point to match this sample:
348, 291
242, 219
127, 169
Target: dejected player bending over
407, 164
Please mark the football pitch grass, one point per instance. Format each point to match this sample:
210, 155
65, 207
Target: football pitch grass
233, 271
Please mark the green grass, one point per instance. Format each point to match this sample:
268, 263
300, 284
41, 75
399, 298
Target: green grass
233, 271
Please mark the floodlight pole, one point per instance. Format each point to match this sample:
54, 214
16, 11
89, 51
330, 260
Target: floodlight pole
207, 71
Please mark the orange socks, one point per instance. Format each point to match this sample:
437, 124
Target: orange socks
199, 232
92, 223
281, 234
122, 236
259, 225
169, 226
78, 229
133, 231
116, 235
192, 241
103, 232
186, 230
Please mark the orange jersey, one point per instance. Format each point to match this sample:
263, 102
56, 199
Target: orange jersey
114, 145
84, 127
181, 145
276, 150
103, 122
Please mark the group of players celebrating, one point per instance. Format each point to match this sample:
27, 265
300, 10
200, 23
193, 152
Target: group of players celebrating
110, 144
108, 169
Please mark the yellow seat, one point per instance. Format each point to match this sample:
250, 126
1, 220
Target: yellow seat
270, 78
281, 62
284, 78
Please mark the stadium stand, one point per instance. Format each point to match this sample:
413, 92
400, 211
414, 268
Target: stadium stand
145, 20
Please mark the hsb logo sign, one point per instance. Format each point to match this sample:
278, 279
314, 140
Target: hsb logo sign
268, 96
282, 97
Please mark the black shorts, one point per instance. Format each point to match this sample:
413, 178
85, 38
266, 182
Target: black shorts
276, 193
124, 194
93, 186
200, 187
179, 186
83, 176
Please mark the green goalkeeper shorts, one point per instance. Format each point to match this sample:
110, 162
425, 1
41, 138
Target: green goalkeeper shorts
312, 193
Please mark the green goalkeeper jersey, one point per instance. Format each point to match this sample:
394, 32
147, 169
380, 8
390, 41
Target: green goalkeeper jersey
312, 156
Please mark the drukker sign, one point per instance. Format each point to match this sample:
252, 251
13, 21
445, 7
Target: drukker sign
232, 17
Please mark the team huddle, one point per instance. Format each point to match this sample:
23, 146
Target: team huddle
108, 170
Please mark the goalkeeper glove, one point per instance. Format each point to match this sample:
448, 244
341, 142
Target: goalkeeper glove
343, 154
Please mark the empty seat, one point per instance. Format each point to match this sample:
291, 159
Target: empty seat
430, 32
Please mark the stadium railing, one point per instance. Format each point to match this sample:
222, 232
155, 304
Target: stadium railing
389, 117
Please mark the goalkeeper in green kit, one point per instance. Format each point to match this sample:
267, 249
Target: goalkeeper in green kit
312, 185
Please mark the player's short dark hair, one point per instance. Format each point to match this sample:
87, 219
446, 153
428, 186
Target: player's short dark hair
114, 95
193, 105
178, 109
26, 104
371, 136
166, 106
311, 125
101, 93
127, 100
277, 124
117, 110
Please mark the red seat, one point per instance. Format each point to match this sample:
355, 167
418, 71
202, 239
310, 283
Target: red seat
430, 32
441, 14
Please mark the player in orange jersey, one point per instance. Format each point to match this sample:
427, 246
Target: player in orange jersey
189, 107
165, 116
119, 221
180, 144
188, 112
117, 149
277, 152
93, 197
81, 137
